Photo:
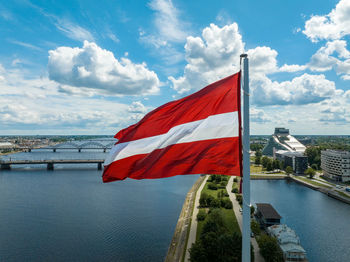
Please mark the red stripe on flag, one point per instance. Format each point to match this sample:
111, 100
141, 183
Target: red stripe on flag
220, 97
216, 156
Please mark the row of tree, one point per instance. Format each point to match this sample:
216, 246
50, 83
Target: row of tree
215, 243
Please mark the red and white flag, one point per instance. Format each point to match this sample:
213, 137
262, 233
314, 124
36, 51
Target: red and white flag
198, 134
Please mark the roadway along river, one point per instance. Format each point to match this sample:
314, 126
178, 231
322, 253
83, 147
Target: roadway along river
321, 222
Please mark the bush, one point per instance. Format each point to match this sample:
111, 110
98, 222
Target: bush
235, 180
269, 249
212, 186
226, 203
201, 215
215, 203
314, 166
223, 184
234, 190
255, 227
205, 200
239, 198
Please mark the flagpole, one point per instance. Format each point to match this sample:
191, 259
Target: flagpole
246, 163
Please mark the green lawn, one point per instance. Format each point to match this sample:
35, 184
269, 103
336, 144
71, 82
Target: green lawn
229, 216
342, 194
312, 182
256, 169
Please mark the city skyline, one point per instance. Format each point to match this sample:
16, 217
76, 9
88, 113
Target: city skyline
75, 67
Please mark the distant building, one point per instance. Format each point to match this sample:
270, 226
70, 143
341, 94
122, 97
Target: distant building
289, 242
336, 165
266, 215
282, 140
296, 160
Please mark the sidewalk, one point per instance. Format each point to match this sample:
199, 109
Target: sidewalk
236, 207
193, 228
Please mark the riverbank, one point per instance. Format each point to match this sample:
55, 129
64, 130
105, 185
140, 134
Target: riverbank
328, 190
180, 238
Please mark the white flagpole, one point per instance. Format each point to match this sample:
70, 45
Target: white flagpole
246, 163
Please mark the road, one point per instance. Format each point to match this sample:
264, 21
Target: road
236, 207
193, 229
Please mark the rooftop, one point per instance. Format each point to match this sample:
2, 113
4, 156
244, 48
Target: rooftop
268, 211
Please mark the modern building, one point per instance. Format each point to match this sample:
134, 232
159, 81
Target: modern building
296, 160
336, 165
282, 140
266, 215
289, 242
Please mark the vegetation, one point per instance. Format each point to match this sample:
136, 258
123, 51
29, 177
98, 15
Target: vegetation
218, 240
201, 215
313, 182
289, 170
255, 227
256, 147
310, 172
269, 249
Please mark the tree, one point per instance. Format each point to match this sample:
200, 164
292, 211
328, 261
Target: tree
269, 166
258, 153
255, 227
314, 166
310, 172
252, 210
257, 160
289, 170
264, 161
269, 249
201, 215
276, 164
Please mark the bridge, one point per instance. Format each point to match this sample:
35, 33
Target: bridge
6, 164
69, 146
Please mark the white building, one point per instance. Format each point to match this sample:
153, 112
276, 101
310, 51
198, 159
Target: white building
289, 242
336, 165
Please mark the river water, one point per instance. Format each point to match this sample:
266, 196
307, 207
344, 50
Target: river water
69, 215
322, 223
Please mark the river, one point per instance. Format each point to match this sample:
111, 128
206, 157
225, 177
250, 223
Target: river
69, 215
321, 222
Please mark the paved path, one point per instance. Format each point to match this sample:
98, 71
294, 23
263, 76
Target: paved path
236, 207
193, 229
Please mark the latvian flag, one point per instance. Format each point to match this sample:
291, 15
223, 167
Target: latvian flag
198, 134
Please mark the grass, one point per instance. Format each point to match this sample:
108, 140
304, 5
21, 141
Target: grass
267, 176
325, 181
313, 182
342, 194
229, 217
256, 169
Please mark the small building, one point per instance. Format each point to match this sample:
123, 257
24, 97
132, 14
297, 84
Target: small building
295, 160
336, 165
266, 215
289, 242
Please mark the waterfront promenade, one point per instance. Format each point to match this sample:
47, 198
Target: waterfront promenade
193, 229
238, 214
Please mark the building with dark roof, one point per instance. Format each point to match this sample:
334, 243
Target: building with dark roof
266, 215
295, 160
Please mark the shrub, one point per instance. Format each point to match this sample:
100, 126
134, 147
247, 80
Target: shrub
235, 180
215, 203
226, 203
201, 215
239, 198
212, 186
234, 190
255, 227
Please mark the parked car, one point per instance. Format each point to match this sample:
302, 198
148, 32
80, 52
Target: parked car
347, 189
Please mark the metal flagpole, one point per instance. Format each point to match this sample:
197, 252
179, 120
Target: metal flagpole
246, 163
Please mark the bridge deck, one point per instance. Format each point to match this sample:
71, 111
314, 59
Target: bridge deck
53, 161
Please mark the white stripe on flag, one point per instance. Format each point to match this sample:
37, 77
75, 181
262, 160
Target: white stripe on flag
213, 127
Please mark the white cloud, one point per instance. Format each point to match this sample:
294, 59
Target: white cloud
210, 57
97, 68
259, 115
262, 59
27, 45
292, 68
167, 22
304, 89
332, 26
137, 111
73, 31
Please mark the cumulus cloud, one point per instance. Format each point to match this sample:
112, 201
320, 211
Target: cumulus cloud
262, 59
332, 26
304, 89
97, 68
137, 111
210, 57
259, 115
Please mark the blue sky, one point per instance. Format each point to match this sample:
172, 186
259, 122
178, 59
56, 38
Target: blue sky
94, 67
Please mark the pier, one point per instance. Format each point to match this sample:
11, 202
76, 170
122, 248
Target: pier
6, 164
